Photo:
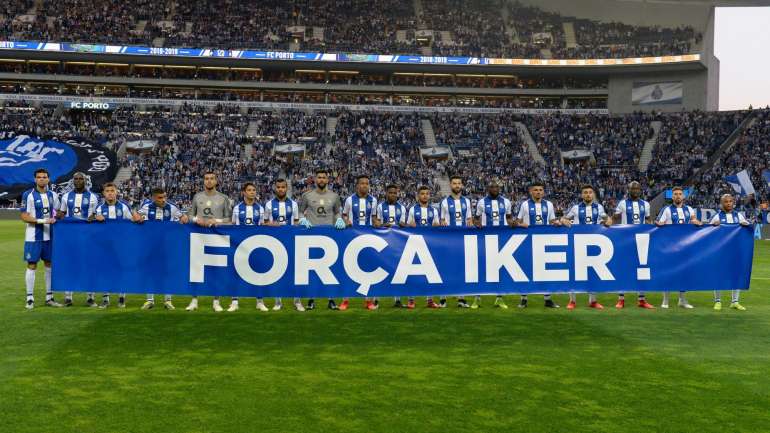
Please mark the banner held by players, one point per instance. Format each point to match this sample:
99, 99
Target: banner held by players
255, 261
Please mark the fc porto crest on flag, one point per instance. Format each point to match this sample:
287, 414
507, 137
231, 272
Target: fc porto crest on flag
21, 154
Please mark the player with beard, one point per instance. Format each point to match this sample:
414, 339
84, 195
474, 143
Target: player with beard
456, 211
322, 207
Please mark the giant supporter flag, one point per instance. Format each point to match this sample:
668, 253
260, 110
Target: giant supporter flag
21, 154
294, 261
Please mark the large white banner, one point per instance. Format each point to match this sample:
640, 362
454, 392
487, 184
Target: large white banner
669, 92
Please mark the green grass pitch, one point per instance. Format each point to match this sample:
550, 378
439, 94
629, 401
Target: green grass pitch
87, 370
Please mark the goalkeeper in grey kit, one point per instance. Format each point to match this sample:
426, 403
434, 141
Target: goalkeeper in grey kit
320, 206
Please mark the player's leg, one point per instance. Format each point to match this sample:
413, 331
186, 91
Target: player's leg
717, 300
683, 301
310, 304
149, 303
397, 302
664, 304
90, 300
167, 304
476, 302
735, 301
233, 304
343, 306
29, 280
278, 304
216, 305
442, 302
261, 305
621, 300
572, 301
298, 304
431, 304
500, 303
549, 302
193, 304
122, 300
593, 303
461, 302
410, 304
524, 301
105, 300
642, 301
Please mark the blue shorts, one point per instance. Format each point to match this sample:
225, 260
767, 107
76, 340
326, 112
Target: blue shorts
37, 250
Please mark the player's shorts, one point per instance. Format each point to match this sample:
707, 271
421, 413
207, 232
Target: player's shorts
35, 251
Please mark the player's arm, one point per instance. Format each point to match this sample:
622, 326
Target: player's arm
227, 217
509, 218
566, 220
715, 220
177, 213
742, 220
443, 213
694, 219
295, 212
410, 219
377, 218
469, 220
662, 217
519, 221
402, 220
346, 209
477, 214
606, 219
617, 215
61, 210
552, 215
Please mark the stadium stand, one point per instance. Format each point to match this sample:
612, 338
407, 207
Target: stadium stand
443, 28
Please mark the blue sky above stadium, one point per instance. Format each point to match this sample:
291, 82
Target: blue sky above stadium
742, 44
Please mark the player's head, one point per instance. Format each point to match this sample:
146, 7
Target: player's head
727, 202
423, 195
587, 193
677, 195
280, 187
536, 190
110, 192
634, 190
321, 178
209, 180
391, 193
362, 185
493, 188
456, 184
249, 191
41, 178
159, 196
79, 181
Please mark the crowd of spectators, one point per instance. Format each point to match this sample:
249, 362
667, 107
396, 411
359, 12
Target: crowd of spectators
240, 146
475, 28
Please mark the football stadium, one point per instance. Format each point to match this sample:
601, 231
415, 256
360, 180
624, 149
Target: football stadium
379, 216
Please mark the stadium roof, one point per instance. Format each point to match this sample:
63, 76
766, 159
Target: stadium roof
669, 13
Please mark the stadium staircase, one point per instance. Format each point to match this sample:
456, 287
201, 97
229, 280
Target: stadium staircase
427, 130
660, 200
442, 181
534, 152
401, 36
252, 129
649, 146
331, 125
569, 35
417, 4
140, 26
123, 174
510, 29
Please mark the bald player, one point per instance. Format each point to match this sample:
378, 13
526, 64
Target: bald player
321, 207
210, 208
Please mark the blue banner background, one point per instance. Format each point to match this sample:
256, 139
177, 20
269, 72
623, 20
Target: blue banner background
155, 257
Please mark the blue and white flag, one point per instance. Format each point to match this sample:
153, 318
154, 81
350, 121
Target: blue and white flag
741, 183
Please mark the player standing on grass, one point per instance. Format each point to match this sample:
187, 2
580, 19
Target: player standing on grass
38, 207
537, 211
456, 211
210, 208
320, 206
633, 210
422, 214
156, 210
112, 209
359, 211
281, 211
493, 211
79, 203
246, 213
391, 213
588, 211
728, 216
677, 213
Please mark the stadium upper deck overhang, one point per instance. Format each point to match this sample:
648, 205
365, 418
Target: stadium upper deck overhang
372, 63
